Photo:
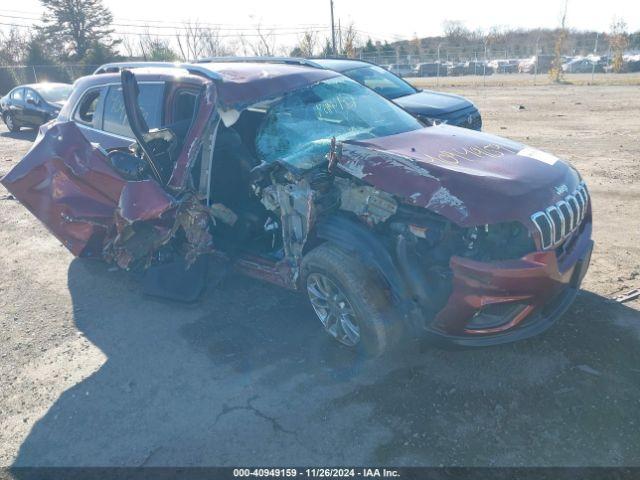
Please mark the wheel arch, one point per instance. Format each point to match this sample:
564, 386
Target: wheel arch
356, 238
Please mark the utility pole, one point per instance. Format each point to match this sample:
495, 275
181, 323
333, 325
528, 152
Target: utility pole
333, 30
595, 53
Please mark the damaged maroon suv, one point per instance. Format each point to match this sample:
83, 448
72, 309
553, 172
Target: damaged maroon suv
306, 179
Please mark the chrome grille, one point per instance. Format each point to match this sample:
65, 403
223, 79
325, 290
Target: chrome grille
557, 222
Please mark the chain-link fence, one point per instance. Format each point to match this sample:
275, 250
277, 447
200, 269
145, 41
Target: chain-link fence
481, 61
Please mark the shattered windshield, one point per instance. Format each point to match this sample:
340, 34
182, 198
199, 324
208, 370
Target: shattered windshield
298, 128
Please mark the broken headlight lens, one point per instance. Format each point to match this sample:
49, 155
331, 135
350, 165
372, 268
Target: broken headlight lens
501, 241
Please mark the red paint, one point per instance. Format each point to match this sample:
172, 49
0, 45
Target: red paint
533, 280
69, 186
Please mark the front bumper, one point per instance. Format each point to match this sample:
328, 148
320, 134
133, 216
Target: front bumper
469, 118
541, 286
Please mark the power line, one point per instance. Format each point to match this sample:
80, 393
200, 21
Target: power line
169, 35
186, 25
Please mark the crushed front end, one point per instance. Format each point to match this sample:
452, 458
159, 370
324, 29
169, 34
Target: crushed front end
491, 240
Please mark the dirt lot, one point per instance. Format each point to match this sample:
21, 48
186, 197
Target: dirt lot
93, 373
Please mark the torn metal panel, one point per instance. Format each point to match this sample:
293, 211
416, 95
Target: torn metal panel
243, 84
195, 138
296, 206
148, 219
194, 218
68, 184
142, 201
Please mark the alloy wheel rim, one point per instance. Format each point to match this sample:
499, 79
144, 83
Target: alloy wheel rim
333, 309
9, 121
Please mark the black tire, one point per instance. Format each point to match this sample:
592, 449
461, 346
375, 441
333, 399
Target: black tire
10, 122
367, 294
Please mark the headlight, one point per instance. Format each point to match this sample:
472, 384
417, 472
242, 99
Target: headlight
501, 241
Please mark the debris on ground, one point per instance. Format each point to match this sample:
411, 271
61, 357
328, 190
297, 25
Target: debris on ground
520, 107
630, 295
7, 197
589, 370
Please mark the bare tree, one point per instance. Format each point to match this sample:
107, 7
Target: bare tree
349, 40
618, 41
129, 46
556, 72
188, 40
13, 46
213, 43
195, 41
307, 44
264, 43
455, 31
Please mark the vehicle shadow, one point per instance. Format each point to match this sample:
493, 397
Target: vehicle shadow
29, 134
246, 377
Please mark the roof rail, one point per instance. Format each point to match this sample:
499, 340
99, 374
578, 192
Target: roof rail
117, 66
285, 60
191, 68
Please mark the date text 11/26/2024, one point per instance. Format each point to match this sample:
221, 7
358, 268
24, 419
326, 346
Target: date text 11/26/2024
316, 472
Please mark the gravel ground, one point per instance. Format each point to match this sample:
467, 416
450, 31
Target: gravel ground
93, 373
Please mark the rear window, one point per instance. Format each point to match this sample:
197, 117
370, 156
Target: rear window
151, 102
17, 94
87, 107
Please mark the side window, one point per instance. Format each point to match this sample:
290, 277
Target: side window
184, 106
86, 111
17, 94
32, 96
151, 103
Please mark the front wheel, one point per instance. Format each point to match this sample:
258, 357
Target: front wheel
350, 300
10, 122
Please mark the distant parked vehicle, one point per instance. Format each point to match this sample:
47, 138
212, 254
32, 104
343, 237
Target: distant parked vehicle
582, 65
456, 69
401, 69
430, 69
33, 105
536, 64
477, 68
504, 66
631, 63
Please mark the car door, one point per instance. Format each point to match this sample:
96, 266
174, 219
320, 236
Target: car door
34, 114
71, 185
16, 105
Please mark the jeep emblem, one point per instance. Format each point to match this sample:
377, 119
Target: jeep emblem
560, 189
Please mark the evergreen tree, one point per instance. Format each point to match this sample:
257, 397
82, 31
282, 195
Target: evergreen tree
77, 26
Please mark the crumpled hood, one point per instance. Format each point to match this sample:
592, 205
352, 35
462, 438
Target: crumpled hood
428, 102
470, 177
